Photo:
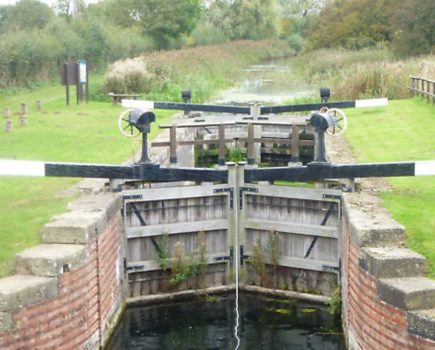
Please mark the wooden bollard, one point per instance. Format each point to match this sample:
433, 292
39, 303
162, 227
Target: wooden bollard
8, 121
39, 105
6, 113
8, 125
23, 114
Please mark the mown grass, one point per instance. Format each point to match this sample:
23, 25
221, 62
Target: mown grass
402, 131
85, 133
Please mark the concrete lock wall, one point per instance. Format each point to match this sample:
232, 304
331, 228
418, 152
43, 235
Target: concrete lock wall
67, 291
387, 301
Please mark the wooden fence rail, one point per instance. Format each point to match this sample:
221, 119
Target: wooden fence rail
423, 87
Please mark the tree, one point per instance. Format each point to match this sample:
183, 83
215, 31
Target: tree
69, 8
353, 24
163, 20
244, 19
414, 24
26, 14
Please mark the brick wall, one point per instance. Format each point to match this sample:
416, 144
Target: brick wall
370, 322
86, 305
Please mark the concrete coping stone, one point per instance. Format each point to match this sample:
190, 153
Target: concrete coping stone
19, 290
422, 323
75, 227
409, 293
50, 260
390, 262
107, 202
371, 225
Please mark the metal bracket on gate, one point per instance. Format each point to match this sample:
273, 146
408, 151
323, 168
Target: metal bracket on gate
243, 257
245, 189
230, 190
330, 268
229, 258
332, 196
132, 267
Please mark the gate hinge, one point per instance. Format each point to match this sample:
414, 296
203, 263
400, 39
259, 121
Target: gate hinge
332, 196
243, 257
245, 189
331, 268
132, 196
229, 258
128, 267
230, 190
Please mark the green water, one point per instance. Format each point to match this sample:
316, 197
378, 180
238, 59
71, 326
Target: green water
203, 324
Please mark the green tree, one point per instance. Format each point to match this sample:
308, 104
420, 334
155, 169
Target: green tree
163, 20
414, 24
66, 8
353, 24
26, 14
244, 19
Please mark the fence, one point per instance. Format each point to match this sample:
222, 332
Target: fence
423, 87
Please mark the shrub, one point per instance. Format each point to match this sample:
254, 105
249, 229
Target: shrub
128, 76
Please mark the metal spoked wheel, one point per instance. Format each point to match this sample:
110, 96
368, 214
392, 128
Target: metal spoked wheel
125, 127
340, 122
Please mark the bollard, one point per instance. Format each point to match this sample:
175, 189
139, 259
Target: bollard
23, 110
6, 113
23, 114
8, 125
39, 105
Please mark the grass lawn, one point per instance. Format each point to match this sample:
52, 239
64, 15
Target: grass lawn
85, 133
402, 131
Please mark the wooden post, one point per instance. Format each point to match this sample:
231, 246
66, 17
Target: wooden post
7, 120
294, 146
173, 144
241, 217
6, 113
255, 114
23, 114
250, 146
412, 85
221, 135
39, 105
232, 218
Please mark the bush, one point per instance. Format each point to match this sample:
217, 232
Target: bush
296, 42
207, 34
128, 76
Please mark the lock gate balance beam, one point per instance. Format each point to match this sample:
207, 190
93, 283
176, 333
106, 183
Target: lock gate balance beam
155, 173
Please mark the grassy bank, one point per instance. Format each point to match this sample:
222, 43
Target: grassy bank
89, 133
402, 131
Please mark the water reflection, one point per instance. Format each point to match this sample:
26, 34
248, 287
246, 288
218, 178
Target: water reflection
201, 324
268, 83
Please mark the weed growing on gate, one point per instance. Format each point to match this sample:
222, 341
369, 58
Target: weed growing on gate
163, 253
264, 258
186, 266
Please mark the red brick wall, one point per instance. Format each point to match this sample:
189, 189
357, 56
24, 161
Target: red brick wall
370, 322
79, 316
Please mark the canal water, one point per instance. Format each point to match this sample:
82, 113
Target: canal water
207, 323
272, 83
